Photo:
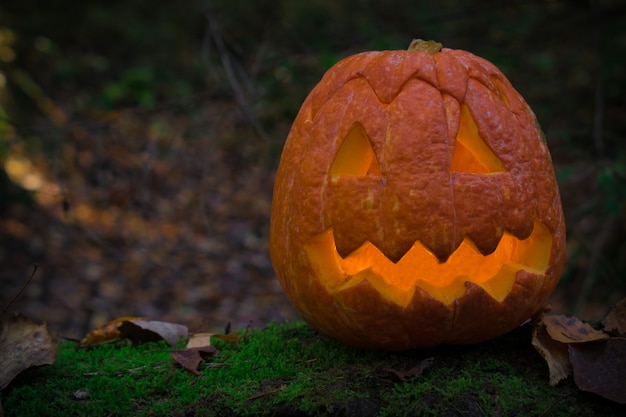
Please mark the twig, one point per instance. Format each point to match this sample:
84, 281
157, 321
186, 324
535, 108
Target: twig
230, 74
598, 116
15, 297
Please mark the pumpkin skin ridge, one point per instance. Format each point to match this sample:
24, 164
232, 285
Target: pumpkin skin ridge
383, 101
493, 73
460, 99
455, 239
336, 312
359, 74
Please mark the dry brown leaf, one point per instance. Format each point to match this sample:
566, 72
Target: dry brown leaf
571, 329
572, 347
600, 368
23, 344
198, 348
555, 354
152, 331
615, 321
190, 358
107, 332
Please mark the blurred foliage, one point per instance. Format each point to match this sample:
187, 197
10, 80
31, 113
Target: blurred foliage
67, 64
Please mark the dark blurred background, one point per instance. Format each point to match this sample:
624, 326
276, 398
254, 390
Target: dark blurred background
138, 141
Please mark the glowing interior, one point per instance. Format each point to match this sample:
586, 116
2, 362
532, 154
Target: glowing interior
445, 281
471, 153
355, 155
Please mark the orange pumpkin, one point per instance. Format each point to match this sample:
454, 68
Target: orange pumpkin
415, 203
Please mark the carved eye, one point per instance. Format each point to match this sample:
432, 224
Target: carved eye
355, 156
471, 154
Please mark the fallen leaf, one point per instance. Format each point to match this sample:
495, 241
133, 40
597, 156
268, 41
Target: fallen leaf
151, 331
198, 348
554, 352
595, 359
600, 368
107, 332
414, 372
23, 344
190, 358
571, 329
615, 321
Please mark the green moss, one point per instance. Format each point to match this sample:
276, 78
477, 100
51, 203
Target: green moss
292, 370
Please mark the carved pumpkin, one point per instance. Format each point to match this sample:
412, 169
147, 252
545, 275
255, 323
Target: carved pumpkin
415, 203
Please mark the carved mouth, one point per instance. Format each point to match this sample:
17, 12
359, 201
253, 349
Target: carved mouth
419, 267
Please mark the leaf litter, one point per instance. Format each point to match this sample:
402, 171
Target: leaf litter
595, 358
107, 332
23, 344
141, 330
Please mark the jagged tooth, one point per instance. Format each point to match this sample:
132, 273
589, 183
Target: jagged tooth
495, 273
504, 278
488, 242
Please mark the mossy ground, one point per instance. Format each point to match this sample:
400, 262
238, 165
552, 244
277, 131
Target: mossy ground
290, 370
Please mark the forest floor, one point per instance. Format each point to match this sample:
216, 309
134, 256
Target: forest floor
145, 224
290, 370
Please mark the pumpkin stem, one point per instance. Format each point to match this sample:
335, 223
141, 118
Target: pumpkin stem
432, 47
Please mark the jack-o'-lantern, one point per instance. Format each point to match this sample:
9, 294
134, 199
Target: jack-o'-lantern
415, 203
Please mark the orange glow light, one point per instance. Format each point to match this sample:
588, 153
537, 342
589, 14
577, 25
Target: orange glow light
445, 281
